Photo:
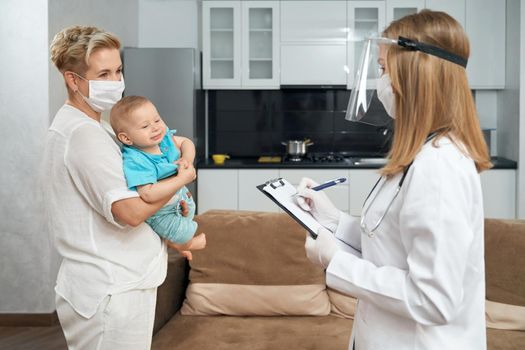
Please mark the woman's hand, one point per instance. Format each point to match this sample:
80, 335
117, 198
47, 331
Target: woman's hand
320, 251
318, 204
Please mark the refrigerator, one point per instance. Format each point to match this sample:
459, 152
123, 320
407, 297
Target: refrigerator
171, 79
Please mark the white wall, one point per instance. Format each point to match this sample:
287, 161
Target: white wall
25, 276
521, 158
117, 16
169, 23
31, 91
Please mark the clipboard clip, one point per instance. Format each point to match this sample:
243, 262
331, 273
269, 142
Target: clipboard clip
275, 183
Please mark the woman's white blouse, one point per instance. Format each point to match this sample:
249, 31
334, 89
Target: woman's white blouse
421, 281
82, 178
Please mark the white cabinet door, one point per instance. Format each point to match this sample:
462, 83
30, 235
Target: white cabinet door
313, 21
338, 194
361, 183
499, 193
260, 44
365, 19
485, 27
313, 65
250, 198
396, 9
217, 189
221, 39
455, 8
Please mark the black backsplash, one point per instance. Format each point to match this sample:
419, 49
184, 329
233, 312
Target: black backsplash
248, 123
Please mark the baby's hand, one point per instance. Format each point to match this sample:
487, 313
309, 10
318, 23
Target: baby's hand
187, 175
182, 163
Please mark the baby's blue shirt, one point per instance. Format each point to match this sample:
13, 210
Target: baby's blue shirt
141, 168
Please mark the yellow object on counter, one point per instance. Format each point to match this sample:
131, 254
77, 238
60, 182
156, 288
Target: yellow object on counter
219, 158
268, 159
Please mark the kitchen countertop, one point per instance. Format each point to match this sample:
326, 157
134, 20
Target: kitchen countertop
348, 163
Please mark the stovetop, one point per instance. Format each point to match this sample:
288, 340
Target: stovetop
329, 157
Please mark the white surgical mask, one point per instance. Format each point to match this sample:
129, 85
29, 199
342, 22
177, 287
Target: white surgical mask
103, 94
386, 95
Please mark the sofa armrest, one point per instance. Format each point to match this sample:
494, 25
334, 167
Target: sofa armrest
170, 294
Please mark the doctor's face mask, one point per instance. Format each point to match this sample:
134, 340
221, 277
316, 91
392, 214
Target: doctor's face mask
385, 94
371, 81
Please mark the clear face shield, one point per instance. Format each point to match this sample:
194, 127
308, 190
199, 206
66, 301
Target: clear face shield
368, 73
365, 105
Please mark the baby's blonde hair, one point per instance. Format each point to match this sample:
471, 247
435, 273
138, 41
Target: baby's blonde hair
72, 47
122, 110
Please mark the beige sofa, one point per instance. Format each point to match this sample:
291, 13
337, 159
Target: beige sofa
246, 291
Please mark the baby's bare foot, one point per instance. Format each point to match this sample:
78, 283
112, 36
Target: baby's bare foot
184, 207
187, 254
198, 242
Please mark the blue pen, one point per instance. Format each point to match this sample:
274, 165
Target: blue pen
329, 184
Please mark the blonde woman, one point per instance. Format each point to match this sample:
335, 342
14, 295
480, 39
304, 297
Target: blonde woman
417, 266
112, 262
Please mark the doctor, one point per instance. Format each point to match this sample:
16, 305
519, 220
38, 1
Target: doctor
420, 280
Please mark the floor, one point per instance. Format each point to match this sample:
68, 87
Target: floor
28, 338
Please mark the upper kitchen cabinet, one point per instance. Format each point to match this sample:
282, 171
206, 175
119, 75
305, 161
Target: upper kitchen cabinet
313, 43
260, 44
396, 9
485, 27
221, 42
240, 44
365, 18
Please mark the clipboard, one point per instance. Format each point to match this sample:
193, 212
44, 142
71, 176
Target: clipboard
282, 193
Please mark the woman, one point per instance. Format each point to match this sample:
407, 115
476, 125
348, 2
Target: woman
420, 281
112, 261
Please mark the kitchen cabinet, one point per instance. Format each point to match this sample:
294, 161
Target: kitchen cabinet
260, 44
396, 9
313, 42
221, 41
485, 27
217, 189
361, 183
234, 189
240, 44
250, 198
313, 65
365, 18
499, 193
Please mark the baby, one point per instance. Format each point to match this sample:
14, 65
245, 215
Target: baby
150, 153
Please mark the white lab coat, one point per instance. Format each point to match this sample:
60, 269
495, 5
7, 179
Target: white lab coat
421, 279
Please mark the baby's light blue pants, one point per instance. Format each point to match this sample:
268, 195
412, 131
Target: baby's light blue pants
169, 222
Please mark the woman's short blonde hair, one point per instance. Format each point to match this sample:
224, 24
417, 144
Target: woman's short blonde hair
72, 47
431, 94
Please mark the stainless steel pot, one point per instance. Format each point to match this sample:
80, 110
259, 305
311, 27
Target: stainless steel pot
297, 148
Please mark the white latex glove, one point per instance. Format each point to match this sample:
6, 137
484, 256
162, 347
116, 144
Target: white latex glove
318, 204
320, 251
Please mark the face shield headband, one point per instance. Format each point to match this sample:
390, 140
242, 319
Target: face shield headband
368, 74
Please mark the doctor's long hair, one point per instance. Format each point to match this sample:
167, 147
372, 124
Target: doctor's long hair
431, 94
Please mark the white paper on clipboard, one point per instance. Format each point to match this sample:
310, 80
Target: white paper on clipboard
283, 194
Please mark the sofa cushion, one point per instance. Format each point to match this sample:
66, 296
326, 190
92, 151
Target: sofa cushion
505, 261
254, 333
504, 271
341, 305
254, 263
